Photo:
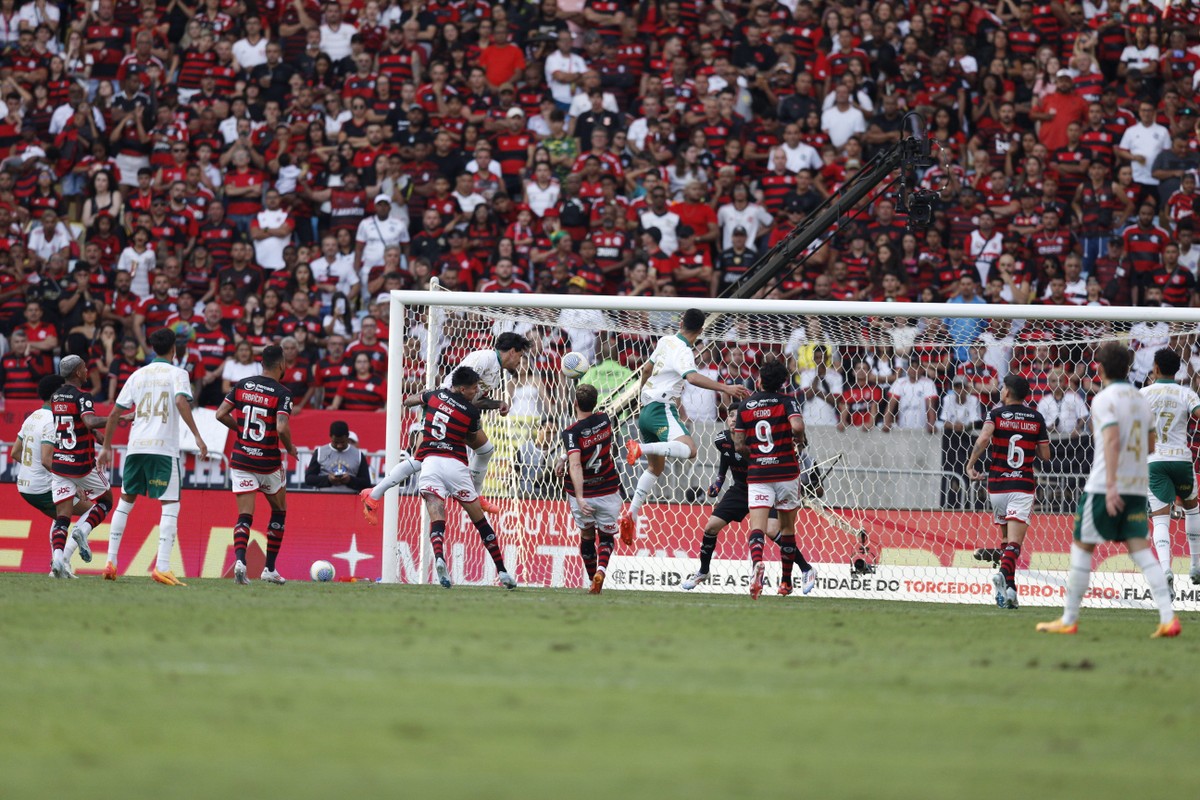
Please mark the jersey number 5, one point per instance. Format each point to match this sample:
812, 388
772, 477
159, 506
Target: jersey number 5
438, 424
254, 426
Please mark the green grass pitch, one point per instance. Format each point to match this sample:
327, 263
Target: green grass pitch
336, 690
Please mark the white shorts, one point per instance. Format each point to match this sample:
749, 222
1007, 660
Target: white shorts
780, 495
268, 483
605, 511
1011, 506
446, 478
90, 486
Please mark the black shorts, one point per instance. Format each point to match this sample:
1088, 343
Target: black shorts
734, 505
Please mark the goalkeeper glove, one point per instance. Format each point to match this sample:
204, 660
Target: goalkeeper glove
715, 488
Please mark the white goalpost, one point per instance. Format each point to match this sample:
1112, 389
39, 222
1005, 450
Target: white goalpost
898, 518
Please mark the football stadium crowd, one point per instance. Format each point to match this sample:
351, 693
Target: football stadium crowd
256, 171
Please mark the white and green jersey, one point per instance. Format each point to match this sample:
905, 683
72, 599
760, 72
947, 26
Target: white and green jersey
1122, 405
491, 374
1172, 406
673, 361
38, 427
152, 391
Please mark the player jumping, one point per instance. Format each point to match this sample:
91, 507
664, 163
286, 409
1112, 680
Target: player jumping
593, 489
1113, 505
768, 431
1171, 472
733, 507
490, 366
664, 436
450, 425
259, 410
33, 451
73, 465
1016, 434
161, 393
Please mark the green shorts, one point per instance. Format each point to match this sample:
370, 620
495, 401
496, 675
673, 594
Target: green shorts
154, 476
659, 422
42, 501
1171, 479
1093, 525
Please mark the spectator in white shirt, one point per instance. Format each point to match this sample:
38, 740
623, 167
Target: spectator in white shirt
50, 238
251, 50
842, 120
911, 402
376, 234
960, 408
271, 230
1062, 408
799, 155
336, 34
564, 70
820, 388
1141, 144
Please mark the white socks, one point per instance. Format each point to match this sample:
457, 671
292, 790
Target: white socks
69, 549
477, 463
1161, 525
168, 524
1157, 581
399, 474
1077, 582
668, 449
1191, 523
117, 529
645, 486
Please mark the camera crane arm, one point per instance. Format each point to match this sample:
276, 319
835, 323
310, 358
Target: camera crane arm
909, 154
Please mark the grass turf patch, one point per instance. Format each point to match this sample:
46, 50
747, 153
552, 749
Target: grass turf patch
306, 690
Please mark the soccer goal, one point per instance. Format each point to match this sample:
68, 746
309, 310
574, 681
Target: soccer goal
893, 396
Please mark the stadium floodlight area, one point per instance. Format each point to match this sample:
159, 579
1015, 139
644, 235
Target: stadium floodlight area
897, 517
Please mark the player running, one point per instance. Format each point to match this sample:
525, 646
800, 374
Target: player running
73, 465
451, 424
1171, 472
259, 410
733, 507
1113, 505
32, 451
1016, 434
161, 393
593, 489
664, 436
490, 366
768, 431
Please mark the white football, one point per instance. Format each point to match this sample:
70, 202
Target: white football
575, 365
321, 571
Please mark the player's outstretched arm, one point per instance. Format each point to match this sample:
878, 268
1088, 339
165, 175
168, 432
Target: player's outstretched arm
185, 412
981, 443
704, 382
104, 459
412, 400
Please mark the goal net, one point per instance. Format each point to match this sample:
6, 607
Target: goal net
893, 396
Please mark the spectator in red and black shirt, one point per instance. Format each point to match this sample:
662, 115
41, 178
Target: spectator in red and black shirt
19, 370
122, 367
362, 391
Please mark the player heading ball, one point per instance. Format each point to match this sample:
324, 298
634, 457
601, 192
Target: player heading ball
663, 434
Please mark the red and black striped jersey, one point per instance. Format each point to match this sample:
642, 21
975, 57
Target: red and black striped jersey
257, 404
731, 459
592, 438
329, 375
1019, 429
20, 376
449, 421
74, 442
765, 418
1144, 247
360, 395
